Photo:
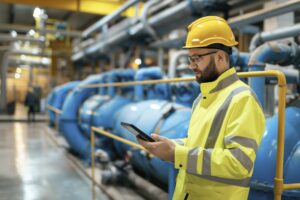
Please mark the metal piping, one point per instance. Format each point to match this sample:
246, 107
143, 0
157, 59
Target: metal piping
108, 18
181, 10
252, 17
263, 37
280, 54
20, 28
173, 62
8, 37
144, 16
262, 14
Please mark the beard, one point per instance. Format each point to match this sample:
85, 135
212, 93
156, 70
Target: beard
209, 74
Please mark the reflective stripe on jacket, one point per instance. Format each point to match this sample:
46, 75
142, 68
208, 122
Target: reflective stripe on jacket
216, 160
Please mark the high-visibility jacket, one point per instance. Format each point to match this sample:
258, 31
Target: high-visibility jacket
216, 159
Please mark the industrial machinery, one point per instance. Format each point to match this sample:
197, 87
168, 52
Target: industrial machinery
166, 108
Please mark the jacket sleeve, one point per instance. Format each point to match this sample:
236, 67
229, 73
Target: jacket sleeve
243, 132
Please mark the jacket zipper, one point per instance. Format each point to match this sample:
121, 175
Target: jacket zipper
186, 196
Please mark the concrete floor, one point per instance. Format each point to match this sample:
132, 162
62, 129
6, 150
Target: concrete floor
21, 115
32, 167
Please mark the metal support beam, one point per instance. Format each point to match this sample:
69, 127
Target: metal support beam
25, 29
99, 7
8, 37
160, 58
4, 65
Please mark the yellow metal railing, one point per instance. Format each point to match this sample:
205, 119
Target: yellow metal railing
110, 135
279, 185
57, 112
147, 82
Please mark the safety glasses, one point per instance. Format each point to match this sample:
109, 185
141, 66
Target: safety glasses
197, 58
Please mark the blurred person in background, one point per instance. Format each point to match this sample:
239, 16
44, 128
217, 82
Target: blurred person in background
30, 102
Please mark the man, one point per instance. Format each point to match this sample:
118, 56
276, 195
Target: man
30, 101
216, 159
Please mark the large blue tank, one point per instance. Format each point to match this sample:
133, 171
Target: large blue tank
99, 110
172, 120
265, 164
291, 172
87, 112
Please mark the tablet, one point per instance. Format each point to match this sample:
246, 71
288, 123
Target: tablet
137, 132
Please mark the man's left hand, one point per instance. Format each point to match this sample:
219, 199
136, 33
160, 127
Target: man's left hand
163, 148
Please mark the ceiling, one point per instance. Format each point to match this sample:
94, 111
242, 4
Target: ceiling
15, 14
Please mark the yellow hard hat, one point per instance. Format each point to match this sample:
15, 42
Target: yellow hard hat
207, 31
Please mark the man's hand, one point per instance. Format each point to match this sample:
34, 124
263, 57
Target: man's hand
162, 148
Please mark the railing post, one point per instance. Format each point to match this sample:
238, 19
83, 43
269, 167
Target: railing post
93, 162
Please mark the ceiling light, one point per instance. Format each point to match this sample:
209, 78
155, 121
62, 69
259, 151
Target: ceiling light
37, 12
138, 61
17, 76
19, 70
13, 34
23, 57
31, 32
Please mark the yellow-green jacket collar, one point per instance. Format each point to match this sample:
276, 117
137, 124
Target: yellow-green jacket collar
225, 79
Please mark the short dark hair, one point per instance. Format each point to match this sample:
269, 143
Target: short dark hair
227, 49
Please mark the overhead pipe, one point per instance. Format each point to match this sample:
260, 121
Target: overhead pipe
108, 18
186, 9
144, 16
279, 53
263, 37
260, 15
249, 18
176, 16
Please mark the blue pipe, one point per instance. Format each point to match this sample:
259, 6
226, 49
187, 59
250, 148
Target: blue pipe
240, 59
104, 79
58, 96
159, 91
119, 76
68, 124
280, 54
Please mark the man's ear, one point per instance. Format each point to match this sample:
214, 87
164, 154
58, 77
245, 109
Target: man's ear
221, 57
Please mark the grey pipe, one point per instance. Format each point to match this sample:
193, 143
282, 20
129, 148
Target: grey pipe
173, 62
263, 37
8, 37
260, 15
144, 20
180, 10
108, 18
169, 19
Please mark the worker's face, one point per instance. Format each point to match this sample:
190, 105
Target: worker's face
203, 64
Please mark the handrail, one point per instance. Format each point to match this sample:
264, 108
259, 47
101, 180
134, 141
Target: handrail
110, 135
57, 113
56, 110
279, 185
122, 84
120, 139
